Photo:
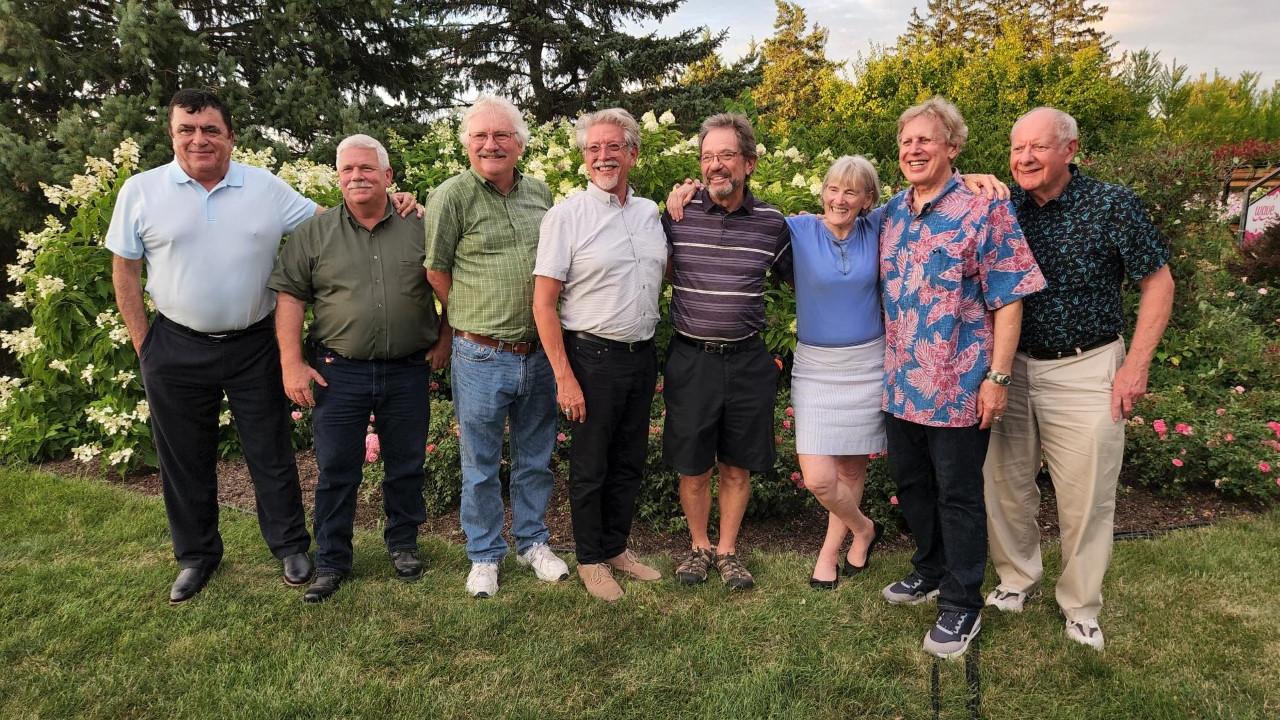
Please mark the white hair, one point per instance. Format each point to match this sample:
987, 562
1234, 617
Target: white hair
1064, 126
612, 116
491, 103
366, 142
947, 115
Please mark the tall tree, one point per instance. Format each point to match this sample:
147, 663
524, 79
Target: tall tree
554, 57
1048, 25
795, 71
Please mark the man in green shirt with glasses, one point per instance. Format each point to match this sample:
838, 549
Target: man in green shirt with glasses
482, 239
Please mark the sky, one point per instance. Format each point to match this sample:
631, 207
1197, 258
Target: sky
1230, 36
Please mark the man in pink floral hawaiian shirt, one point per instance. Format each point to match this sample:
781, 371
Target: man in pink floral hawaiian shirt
953, 269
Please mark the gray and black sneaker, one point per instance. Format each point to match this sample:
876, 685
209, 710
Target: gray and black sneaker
910, 590
950, 636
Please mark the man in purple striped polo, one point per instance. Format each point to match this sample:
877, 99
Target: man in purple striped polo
720, 380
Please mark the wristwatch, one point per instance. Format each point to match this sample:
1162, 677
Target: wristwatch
999, 378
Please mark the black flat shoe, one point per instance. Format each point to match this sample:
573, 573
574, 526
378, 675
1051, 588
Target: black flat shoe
297, 569
189, 582
407, 564
326, 584
848, 569
817, 584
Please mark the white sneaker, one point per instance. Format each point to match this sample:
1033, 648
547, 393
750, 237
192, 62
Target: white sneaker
545, 564
1006, 600
482, 581
1085, 632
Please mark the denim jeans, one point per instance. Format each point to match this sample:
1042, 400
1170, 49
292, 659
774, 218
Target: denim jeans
938, 471
491, 387
396, 392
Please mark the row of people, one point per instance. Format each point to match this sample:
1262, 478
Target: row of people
912, 309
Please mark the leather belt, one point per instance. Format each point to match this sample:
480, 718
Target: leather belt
524, 347
718, 348
630, 347
1043, 354
263, 324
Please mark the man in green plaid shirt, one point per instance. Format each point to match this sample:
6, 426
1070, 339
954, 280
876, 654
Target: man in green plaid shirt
482, 240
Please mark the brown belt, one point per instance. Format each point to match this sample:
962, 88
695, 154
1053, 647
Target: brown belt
523, 347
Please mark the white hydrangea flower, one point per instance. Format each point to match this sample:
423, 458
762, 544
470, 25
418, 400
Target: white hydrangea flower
18, 299
308, 177
87, 373
8, 386
650, 121
667, 118
86, 453
60, 366
119, 335
126, 155
49, 285
265, 158
761, 149
120, 457
799, 181
792, 153
142, 411
22, 342
124, 377
224, 418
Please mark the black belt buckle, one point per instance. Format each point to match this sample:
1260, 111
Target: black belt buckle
1039, 354
716, 348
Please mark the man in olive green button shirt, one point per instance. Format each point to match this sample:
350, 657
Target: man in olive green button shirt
375, 338
482, 239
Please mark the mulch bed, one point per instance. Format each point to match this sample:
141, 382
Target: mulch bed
1139, 512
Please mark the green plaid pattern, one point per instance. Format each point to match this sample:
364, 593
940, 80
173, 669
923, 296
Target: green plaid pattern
489, 242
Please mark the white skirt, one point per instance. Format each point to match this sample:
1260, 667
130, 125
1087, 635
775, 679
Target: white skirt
837, 393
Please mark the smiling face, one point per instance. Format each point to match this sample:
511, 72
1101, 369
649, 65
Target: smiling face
1038, 159
924, 156
493, 146
724, 167
201, 143
363, 181
608, 157
842, 203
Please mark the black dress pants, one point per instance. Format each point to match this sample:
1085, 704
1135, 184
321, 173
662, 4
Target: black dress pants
606, 461
185, 374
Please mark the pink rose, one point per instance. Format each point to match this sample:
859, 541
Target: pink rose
1159, 426
893, 499
1229, 437
431, 447
1177, 462
434, 386
561, 437
1182, 429
1221, 411
795, 476
786, 424
1264, 466
296, 415
791, 412
1275, 427
1239, 389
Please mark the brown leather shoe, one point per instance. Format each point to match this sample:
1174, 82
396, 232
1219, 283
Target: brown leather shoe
628, 564
598, 579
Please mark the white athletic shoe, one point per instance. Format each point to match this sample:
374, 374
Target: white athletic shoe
482, 581
545, 564
1085, 632
1006, 600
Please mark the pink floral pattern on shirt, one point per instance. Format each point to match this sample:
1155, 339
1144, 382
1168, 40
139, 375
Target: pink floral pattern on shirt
943, 273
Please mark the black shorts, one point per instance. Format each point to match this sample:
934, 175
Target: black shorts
719, 408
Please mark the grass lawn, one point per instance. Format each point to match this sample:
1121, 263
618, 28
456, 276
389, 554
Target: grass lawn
1192, 623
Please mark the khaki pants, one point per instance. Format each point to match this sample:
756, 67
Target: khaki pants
1063, 409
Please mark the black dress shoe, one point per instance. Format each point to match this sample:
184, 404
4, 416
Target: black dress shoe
189, 582
849, 569
297, 569
408, 566
326, 584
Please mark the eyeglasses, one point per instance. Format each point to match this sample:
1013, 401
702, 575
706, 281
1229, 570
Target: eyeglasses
596, 148
501, 137
723, 156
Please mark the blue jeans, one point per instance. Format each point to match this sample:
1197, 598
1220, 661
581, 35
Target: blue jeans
396, 392
490, 387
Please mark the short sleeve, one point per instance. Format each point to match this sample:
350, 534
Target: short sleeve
443, 229
1007, 268
555, 238
124, 237
293, 269
1137, 239
294, 206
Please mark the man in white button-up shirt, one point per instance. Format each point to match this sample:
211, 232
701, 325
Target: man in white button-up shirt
601, 258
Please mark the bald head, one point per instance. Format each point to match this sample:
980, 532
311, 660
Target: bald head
1042, 145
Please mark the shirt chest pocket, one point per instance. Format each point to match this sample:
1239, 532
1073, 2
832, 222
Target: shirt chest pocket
949, 267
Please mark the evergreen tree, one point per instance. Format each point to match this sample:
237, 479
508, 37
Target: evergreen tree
553, 57
1048, 25
795, 71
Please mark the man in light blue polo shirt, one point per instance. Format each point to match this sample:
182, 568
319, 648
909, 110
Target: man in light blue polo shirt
208, 229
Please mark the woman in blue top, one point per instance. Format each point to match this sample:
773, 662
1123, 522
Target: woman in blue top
836, 379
